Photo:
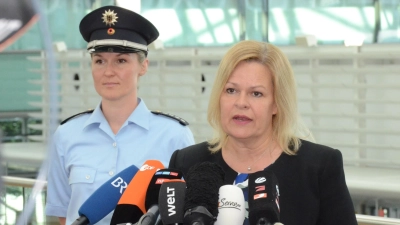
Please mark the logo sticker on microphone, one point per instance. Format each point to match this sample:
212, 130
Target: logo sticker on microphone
262, 195
119, 182
223, 204
260, 180
161, 180
171, 201
146, 167
260, 188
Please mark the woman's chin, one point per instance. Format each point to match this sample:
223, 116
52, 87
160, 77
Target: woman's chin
241, 136
111, 97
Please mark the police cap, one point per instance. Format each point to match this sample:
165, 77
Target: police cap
115, 29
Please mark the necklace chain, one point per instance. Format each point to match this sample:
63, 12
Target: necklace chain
249, 167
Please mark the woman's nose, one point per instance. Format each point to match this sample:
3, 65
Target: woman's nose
242, 101
109, 70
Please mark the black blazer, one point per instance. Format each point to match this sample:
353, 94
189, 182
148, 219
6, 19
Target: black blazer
312, 183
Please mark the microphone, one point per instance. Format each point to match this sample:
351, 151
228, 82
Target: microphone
263, 198
105, 198
171, 202
203, 181
131, 205
231, 206
150, 217
152, 193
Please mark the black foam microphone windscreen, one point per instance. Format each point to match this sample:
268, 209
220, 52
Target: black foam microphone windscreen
263, 198
203, 181
171, 202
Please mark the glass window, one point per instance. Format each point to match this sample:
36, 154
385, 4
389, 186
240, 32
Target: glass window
63, 18
194, 23
389, 26
184, 23
331, 22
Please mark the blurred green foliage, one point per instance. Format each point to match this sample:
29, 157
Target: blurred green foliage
16, 129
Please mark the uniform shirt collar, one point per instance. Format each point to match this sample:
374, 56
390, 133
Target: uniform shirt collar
96, 117
140, 116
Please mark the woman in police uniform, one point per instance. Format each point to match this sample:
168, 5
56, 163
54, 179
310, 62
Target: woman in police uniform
91, 147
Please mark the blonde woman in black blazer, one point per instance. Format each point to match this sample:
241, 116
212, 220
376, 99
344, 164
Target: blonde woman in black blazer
253, 110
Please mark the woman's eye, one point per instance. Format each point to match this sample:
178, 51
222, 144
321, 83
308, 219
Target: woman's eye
98, 61
257, 94
230, 90
121, 60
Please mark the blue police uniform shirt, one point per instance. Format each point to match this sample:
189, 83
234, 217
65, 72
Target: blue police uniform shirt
86, 153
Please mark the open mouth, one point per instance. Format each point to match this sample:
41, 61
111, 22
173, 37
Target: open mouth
241, 118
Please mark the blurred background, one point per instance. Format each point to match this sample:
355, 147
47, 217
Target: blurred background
345, 55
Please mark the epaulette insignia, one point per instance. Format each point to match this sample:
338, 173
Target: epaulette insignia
180, 120
81, 113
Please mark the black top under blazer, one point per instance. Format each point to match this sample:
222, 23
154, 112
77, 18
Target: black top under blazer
312, 183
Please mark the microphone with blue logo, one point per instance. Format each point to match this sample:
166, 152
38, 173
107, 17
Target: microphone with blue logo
105, 198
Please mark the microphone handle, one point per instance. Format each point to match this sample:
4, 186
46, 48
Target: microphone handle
263, 221
150, 217
82, 220
159, 221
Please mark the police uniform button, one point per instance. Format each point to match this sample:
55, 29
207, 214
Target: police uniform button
87, 177
111, 173
115, 144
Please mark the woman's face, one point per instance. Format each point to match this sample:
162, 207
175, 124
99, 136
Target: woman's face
116, 75
247, 102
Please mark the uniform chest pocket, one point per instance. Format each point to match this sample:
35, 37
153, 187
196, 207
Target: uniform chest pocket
82, 175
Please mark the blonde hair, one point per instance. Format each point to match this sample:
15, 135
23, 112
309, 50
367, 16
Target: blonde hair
285, 124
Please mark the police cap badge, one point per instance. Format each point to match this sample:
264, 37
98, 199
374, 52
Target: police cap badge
116, 29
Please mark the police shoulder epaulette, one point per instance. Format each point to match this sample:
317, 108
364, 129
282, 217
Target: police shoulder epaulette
78, 114
180, 120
